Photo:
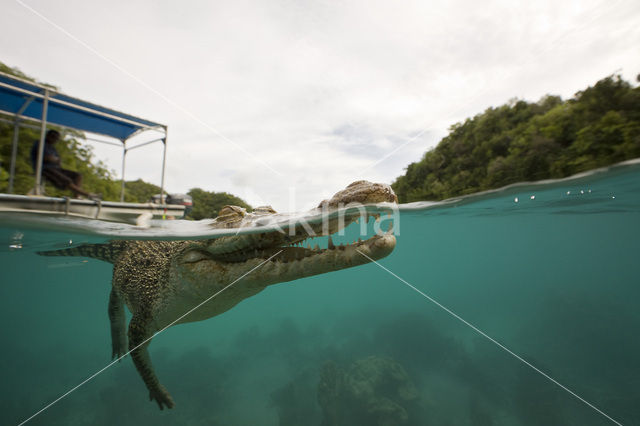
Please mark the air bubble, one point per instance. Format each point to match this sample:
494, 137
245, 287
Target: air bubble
15, 242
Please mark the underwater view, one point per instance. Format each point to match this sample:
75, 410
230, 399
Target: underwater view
514, 307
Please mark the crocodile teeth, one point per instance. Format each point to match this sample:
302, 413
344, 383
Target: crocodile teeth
330, 243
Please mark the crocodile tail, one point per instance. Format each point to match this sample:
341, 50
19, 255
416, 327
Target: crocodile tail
108, 252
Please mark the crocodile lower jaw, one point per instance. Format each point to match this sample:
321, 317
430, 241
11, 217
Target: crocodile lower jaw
298, 251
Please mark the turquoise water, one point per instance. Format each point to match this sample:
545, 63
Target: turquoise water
554, 279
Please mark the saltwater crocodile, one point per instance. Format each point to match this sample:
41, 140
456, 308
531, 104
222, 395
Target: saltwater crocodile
161, 281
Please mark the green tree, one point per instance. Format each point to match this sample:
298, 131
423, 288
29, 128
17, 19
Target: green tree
207, 204
139, 191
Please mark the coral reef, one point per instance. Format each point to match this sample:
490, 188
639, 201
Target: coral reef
372, 391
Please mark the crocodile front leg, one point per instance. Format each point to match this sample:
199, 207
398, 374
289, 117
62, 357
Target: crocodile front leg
117, 320
139, 332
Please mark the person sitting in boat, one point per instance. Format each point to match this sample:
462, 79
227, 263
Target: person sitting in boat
51, 169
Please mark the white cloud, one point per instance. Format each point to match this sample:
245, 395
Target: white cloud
316, 90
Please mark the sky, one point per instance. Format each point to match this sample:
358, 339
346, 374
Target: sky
285, 102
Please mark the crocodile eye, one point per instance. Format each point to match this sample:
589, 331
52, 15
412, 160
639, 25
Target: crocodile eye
193, 256
358, 183
264, 210
232, 211
230, 216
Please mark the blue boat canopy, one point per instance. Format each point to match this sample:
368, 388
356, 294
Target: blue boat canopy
25, 100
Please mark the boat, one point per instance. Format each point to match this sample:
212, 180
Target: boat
30, 104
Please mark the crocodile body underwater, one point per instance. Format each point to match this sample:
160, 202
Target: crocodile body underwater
161, 282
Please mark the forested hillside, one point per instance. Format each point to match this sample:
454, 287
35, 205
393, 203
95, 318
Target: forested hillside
208, 204
523, 141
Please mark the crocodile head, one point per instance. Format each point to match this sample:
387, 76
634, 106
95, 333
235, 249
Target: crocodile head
209, 265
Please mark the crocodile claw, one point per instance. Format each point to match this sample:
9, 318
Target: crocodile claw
162, 397
118, 348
